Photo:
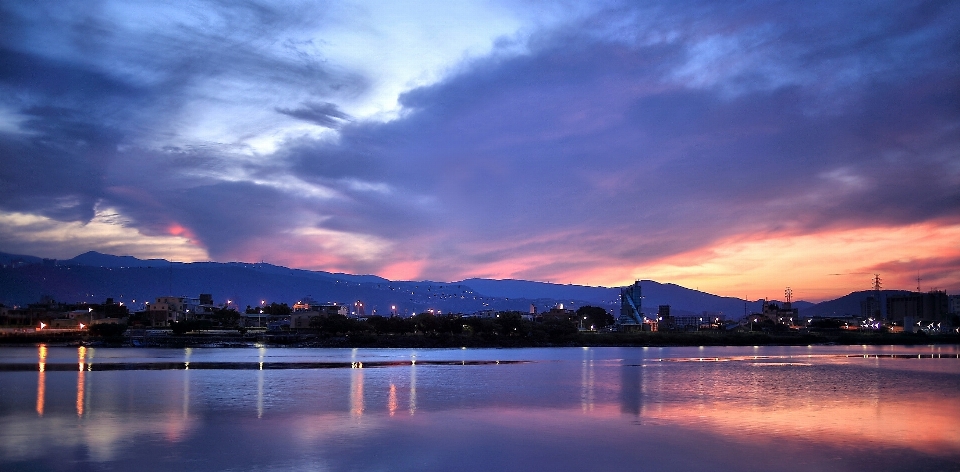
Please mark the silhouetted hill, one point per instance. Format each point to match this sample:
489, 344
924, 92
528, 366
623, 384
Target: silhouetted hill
682, 300
848, 305
96, 259
93, 277
17, 259
510, 288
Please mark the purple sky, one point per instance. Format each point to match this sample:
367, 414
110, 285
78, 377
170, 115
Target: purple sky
737, 148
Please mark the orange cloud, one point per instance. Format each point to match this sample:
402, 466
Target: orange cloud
107, 232
176, 229
403, 270
816, 266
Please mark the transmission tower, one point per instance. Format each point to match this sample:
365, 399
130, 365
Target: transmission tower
876, 295
788, 297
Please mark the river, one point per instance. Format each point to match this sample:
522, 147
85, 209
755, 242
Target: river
842, 408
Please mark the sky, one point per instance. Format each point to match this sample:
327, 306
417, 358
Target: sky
737, 148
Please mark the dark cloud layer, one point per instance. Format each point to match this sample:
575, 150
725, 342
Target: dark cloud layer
634, 134
598, 143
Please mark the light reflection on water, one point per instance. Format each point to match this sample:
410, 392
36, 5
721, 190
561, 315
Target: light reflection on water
568, 409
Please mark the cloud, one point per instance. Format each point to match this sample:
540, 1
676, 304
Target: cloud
593, 150
820, 265
596, 152
106, 232
323, 114
118, 112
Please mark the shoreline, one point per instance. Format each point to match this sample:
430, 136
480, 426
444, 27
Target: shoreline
644, 339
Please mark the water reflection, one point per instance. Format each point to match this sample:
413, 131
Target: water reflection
839, 406
587, 380
41, 378
262, 352
392, 400
413, 386
631, 389
356, 385
260, 394
186, 382
356, 391
542, 411
82, 357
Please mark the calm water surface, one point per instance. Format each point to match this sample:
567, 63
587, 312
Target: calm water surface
718, 408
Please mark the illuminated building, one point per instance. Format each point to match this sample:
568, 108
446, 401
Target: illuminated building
631, 299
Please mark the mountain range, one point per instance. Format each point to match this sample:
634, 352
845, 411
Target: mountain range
93, 277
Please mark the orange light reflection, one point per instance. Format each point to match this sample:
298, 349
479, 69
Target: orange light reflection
41, 379
356, 390
392, 400
81, 353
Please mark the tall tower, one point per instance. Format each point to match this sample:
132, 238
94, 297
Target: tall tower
788, 298
631, 301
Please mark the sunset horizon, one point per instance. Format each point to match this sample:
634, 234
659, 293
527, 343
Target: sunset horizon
736, 151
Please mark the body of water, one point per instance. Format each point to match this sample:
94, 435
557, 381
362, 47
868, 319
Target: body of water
871, 408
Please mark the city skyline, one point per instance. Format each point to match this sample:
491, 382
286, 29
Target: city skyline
736, 149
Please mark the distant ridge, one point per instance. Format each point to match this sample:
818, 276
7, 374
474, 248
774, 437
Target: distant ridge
93, 276
96, 259
7, 259
848, 305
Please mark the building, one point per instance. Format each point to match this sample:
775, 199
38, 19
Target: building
784, 315
558, 313
918, 307
301, 319
662, 322
631, 304
301, 306
870, 308
167, 310
331, 309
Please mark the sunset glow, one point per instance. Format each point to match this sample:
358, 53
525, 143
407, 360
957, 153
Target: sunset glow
734, 150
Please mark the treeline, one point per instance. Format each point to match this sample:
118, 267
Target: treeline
505, 323
276, 309
508, 324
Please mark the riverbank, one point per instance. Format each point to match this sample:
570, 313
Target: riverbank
702, 338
